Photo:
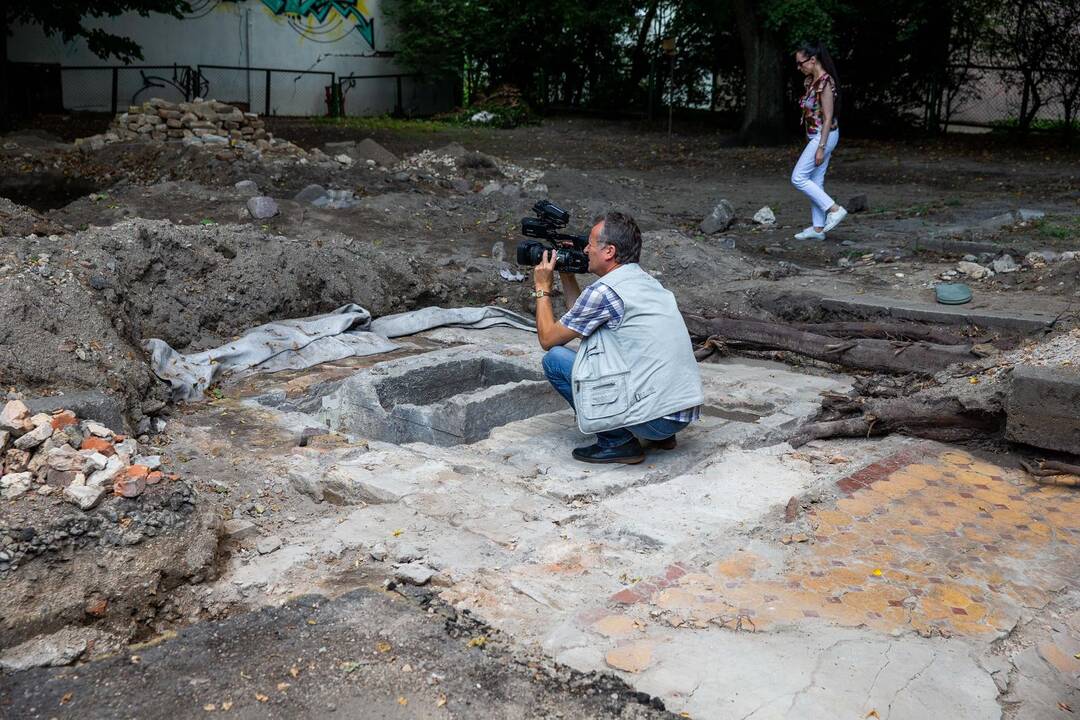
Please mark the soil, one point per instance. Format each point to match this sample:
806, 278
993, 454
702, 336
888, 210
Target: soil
103, 250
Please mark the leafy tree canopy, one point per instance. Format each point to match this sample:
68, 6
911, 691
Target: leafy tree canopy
66, 18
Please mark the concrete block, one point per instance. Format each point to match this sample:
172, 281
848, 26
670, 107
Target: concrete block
446, 397
1044, 408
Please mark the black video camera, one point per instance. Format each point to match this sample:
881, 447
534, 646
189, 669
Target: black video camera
549, 220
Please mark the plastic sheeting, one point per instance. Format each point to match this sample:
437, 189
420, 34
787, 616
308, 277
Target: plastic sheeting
295, 344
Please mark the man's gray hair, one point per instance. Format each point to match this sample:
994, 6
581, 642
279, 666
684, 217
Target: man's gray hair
622, 233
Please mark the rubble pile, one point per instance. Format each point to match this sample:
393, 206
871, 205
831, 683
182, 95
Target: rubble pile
200, 122
83, 461
470, 170
988, 265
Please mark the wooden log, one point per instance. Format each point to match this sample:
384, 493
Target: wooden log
865, 353
886, 331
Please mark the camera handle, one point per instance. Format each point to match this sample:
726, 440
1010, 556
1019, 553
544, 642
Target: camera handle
579, 241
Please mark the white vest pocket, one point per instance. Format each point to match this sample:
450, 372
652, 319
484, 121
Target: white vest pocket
602, 397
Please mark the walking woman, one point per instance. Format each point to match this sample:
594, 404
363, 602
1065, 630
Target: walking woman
819, 109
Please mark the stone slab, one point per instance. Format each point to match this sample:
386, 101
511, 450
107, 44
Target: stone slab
1044, 408
869, 305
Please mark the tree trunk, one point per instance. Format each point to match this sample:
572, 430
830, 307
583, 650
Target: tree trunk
639, 64
763, 116
868, 354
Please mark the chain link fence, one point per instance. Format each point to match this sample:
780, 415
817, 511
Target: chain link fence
1000, 97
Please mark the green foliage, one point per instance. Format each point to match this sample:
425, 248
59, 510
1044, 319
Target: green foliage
504, 117
1040, 124
798, 21
66, 18
382, 122
558, 50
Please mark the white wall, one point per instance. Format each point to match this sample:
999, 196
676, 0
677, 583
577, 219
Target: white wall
246, 33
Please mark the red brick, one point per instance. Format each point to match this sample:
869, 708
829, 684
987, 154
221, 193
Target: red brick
626, 597
97, 607
130, 486
674, 572
97, 444
154, 478
63, 419
137, 471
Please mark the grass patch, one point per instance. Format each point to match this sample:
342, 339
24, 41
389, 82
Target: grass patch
1063, 229
384, 122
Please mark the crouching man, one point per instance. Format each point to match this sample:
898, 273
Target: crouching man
634, 376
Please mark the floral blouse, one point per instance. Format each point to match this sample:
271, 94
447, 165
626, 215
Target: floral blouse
813, 114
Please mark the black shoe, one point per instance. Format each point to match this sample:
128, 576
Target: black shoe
628, 453
665, 444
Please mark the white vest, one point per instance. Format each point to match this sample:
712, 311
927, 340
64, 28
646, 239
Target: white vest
645, 368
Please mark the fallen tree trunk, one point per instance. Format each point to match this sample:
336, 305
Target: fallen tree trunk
941, 419
888, 331
864, 353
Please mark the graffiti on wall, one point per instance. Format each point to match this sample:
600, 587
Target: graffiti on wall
325, 21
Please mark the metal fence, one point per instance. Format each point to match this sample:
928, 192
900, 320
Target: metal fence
271, 91
393, 94
112, 88
265, 90
1004, 97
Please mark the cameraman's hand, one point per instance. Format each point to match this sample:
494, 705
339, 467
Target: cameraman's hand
544, 273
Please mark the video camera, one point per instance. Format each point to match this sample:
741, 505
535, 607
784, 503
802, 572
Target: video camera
549, 220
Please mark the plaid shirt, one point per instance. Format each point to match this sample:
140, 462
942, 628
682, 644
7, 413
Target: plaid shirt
599, 305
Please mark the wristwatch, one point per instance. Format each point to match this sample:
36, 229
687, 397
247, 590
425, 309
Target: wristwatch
540, 293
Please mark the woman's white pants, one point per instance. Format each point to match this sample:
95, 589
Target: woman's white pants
810, 178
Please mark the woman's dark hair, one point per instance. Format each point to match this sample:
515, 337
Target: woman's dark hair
818, 50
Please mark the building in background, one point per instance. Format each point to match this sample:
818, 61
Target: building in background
279, 57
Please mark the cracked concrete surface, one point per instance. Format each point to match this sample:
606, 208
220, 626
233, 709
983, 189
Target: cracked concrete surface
886, 594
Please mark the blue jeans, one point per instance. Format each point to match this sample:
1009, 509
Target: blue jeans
558, 365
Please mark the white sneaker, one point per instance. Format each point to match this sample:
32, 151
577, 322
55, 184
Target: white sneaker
833, 219
810, 234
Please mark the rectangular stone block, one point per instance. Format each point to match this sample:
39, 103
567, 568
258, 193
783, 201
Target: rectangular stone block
1044, 408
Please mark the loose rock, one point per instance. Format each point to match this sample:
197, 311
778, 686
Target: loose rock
721, 218
765, 216
262, 207
84, 496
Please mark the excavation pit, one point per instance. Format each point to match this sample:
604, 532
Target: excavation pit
447, 397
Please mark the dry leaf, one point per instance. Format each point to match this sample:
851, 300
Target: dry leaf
684, 714
478, 641
873, 714
403, 701
261, 698
383, 646
294, 671
282, 685
349, 666
135, 659
67, 698
227, 705
877, 572
1065, 707
312, 621
398, 533
209, 707
440, 701
838, 460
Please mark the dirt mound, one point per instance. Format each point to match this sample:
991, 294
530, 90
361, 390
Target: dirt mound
18, 220
57, 336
